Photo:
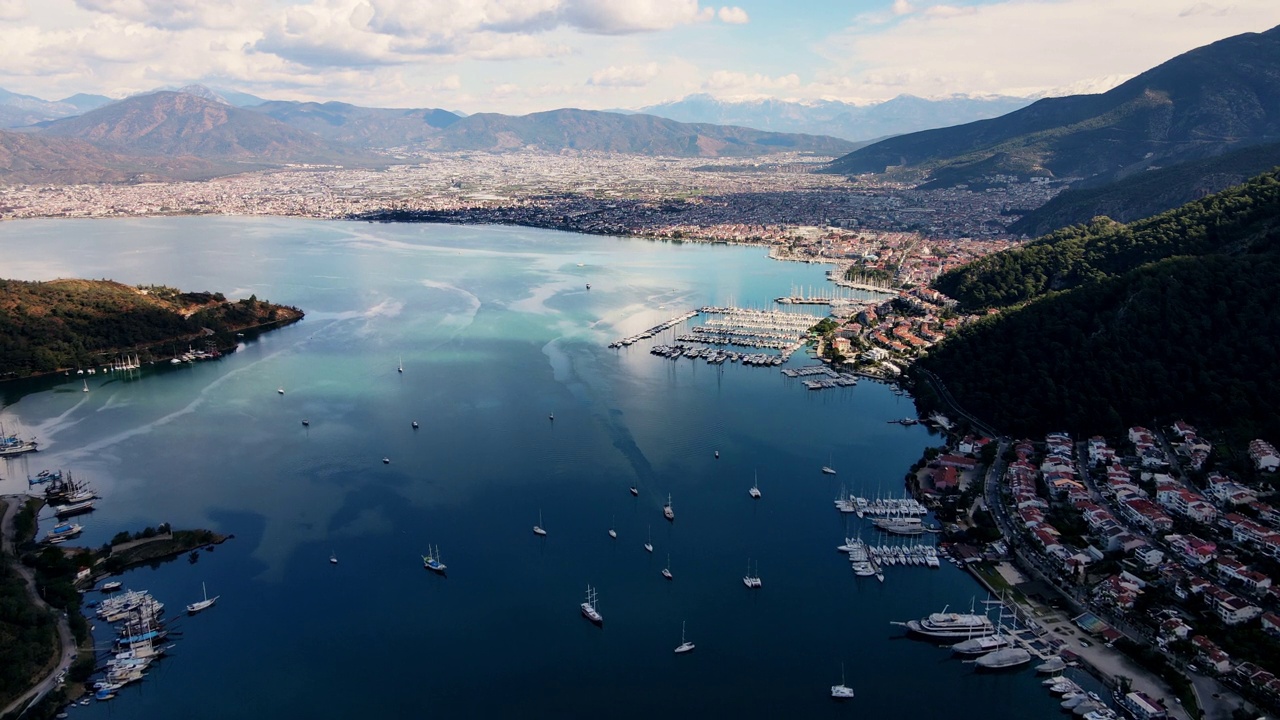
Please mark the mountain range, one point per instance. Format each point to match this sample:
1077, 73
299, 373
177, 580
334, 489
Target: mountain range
902, 114
200, 134
1197, 105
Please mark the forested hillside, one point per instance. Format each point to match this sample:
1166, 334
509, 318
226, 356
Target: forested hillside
48, 326
1194, 337
1232, 221
1169, 317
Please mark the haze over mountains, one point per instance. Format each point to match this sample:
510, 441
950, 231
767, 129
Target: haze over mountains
902, 114
1197, 105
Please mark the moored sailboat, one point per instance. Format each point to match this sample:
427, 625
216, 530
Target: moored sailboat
431, 560
589, 610
684, 646
206, 603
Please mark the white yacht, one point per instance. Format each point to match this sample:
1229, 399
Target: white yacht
753, 582
648, 544
667, 511
951, 626
755, 488
537, 529
204, 604
684, 646
333, 558
589, 610
666, 571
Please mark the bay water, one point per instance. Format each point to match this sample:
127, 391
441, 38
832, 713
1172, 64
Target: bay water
495, 330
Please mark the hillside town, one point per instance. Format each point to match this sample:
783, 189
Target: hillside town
1160, 540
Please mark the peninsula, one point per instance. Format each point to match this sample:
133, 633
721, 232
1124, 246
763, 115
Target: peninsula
65, 325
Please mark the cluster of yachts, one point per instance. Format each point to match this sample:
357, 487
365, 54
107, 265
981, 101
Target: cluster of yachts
882, 507
67, 498
715, 356
140, 639
1088, 705
868, 560
993, 646
666, 325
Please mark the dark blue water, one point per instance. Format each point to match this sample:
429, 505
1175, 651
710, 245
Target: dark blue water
496, 330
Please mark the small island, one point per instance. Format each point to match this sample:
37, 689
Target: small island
65, 325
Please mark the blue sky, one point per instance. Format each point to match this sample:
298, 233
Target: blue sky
527, 55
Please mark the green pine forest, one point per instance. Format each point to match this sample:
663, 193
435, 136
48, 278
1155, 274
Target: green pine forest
68, 324
1111, 325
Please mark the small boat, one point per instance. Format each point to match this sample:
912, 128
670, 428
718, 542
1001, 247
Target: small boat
755, 488
207, 602
589, 610
280, 390
400, 365
588, 286
612, 533
63, 531
86, 386
551, 417
667, 511
635, 490
306, 423
684, 646
537, 529
648, 544
752, 582
110, 586
333, 558
73, 509
841, 691
717, 454
666, 571
386, 461
827, 469
431, 560
415, 424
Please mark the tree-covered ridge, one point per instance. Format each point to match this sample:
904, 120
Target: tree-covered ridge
1184, 337
48, 326
1236, 220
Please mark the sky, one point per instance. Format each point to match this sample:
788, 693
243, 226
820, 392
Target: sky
518, 56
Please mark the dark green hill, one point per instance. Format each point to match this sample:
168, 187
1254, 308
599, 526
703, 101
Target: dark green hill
1149, 193
1173, 316
1186, 337
48, 326
1199, 104
1232, 221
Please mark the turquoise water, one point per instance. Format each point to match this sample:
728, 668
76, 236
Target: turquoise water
496, 330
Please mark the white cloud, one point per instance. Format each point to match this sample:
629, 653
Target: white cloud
733, 15
624, 76
1023, 46
902, 7
617, 17
13, 9
728, 84
173, 14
